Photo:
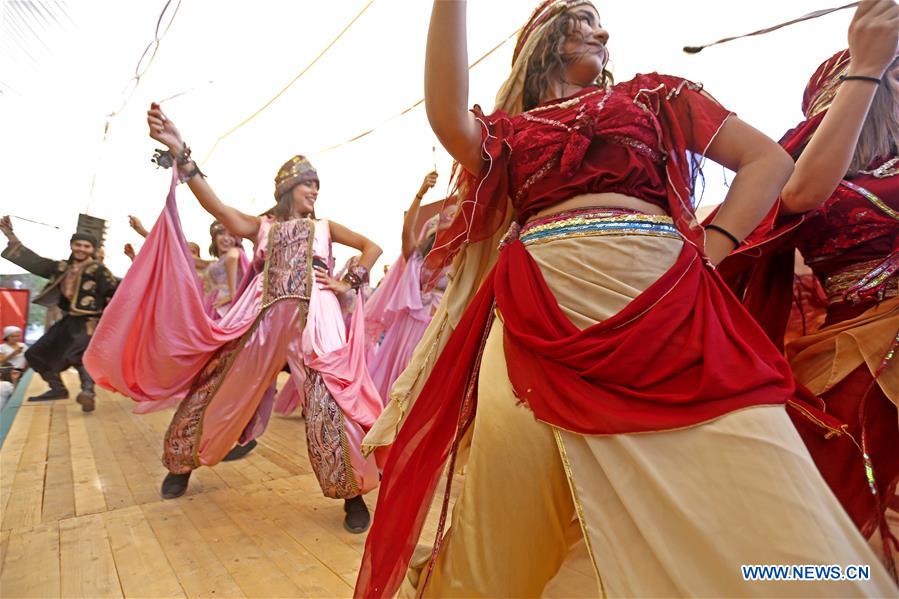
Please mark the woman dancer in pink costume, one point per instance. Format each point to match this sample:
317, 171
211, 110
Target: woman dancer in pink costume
405, 301
224, 370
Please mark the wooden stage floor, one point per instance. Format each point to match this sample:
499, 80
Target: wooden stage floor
82, 516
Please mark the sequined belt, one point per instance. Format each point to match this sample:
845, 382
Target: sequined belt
874, 279
593, 222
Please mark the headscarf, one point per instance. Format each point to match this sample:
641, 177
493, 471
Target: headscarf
510, 98
823, 86
293, 172
11, 330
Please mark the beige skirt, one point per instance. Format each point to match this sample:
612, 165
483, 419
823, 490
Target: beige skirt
664, 514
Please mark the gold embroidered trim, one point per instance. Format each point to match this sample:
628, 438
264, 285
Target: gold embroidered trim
579, 508
871, 197
345, 446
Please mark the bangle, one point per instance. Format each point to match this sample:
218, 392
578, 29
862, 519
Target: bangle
188, 175
724, 232
356, 276
165, 158
874, 80
419, 196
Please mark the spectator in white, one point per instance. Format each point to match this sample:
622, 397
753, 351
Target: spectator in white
12, 350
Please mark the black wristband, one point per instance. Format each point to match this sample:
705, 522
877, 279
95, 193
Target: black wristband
874, 80
726, 233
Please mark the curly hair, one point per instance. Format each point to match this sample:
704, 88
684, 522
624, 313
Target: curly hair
548, 62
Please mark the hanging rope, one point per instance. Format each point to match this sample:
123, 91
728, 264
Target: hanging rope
416, 104
140, 69
808, 17
289, 84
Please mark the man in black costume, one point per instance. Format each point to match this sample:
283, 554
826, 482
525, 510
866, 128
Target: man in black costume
82, 287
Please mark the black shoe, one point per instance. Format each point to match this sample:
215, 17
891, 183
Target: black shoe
49, 395
174, 485
86, 399
357, 519
239, 451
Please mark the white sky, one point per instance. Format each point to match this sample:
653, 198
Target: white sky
59, 82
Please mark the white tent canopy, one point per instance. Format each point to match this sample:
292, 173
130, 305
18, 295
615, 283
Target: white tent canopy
64, 65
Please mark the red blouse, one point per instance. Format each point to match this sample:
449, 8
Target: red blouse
858, 223
633, 138
601, 141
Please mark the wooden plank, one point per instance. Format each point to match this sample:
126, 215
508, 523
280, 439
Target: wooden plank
288, 466
251, 508
23, 508
31, 565
59, 491
4, 543
87, 567
142, 566
245, 561
137, 454
115, 487
199, 571
319, 530
11, 454
271, 469
247, 467
231, 474
89, 498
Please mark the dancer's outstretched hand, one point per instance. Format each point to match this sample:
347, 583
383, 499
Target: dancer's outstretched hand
873, 37
429, 182
327, 281
129, 251
138, 226
6, 228
163, 130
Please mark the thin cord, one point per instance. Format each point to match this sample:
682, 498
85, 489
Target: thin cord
809, 16
416, 104
286, 87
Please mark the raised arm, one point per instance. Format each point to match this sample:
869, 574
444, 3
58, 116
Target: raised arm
446, 85
411, 217
21, 256
138, 226
762, 168
163, 130
824, 161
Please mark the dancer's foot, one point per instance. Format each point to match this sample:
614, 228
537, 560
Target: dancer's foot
357, 519
87, 401
174, 485
50, 395
239, 451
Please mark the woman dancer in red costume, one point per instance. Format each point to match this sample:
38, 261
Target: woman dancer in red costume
841, 210
611, 387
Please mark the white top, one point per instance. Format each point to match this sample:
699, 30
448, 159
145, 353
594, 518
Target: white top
17, 362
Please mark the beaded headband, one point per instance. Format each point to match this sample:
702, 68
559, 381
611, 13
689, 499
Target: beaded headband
293, 172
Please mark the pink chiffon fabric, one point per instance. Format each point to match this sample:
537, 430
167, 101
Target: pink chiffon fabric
396, 318
156, 335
